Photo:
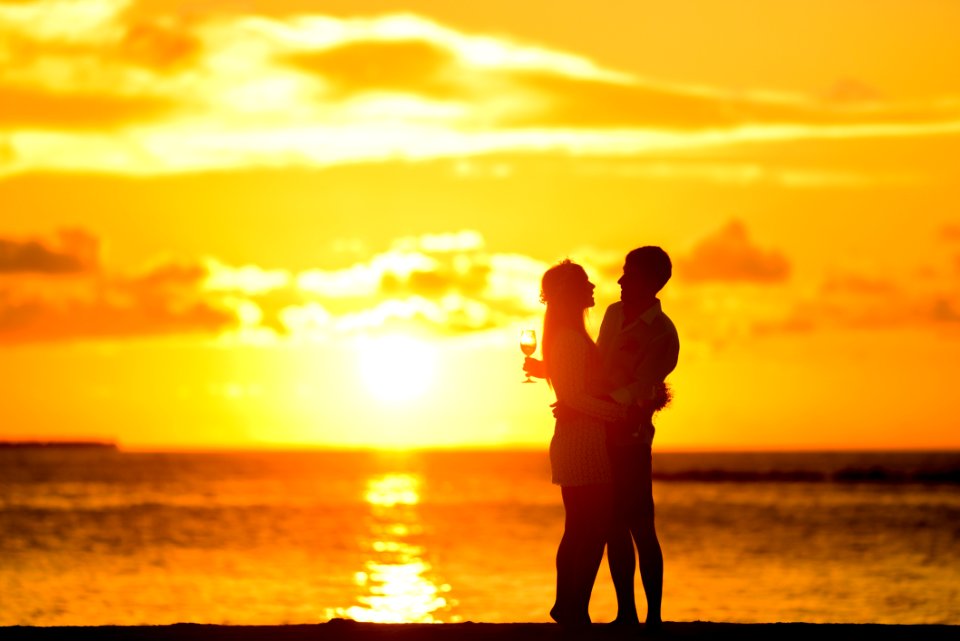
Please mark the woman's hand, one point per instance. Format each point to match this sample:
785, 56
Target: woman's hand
534, 367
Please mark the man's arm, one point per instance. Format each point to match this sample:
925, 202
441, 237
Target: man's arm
659, 360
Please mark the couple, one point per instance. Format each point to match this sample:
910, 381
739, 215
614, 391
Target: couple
600, 455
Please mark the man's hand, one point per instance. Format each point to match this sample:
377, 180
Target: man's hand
638, 414
534, 367
561, 411
660, 397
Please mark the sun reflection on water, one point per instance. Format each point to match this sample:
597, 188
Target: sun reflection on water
395, 585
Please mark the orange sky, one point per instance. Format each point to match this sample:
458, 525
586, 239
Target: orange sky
224, 224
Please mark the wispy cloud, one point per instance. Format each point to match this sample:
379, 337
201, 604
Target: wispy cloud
88, 85
744, 173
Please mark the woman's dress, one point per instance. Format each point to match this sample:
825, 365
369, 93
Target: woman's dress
578, 452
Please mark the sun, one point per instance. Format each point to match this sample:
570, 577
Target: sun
396, 368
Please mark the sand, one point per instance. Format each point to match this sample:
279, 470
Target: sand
343, 630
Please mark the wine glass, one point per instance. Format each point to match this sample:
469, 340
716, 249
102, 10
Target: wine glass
528, 345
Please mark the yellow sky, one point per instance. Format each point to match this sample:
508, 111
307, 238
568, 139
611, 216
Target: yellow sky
224, 224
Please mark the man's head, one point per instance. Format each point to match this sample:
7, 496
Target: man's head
645, 271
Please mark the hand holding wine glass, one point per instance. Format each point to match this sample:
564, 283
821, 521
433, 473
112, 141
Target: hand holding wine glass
528, 345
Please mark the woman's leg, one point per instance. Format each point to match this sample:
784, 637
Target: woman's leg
587, 515
564, 610
623, 563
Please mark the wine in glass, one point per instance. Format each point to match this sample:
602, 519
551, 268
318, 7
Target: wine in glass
528, 345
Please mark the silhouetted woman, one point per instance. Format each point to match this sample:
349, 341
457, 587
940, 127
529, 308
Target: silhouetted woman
578, 454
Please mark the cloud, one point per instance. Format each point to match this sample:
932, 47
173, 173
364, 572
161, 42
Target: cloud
30, 108
55, 289
249, 279
7, 154
30, 320
852, 91
950, 232
412, 66
867, 302
641, 103
745, 173
62, 20
437, 282
448, 282
570, 102
856, 284
946, 311
163, 46
220, 90
444, 283
512, 85
71, 251
729, 255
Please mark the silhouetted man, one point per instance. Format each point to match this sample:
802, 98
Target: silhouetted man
639, 347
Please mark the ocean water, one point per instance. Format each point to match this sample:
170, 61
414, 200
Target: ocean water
92, 537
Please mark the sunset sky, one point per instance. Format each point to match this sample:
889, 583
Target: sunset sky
243, 223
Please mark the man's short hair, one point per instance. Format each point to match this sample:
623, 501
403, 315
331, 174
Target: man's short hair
653, 262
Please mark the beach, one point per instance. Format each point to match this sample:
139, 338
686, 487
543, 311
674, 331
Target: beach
345, 630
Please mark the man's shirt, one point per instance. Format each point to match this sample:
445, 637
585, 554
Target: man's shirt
639, 356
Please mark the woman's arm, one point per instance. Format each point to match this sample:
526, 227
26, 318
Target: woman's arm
568, 374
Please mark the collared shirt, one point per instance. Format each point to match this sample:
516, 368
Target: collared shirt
639, 356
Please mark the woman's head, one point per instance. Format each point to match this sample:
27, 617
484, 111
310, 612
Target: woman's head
566, 286
567, 293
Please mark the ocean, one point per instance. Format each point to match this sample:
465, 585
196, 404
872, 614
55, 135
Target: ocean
99, 536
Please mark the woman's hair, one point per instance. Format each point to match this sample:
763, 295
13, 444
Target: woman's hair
559, 292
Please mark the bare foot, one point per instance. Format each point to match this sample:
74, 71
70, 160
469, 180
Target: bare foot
567, 620
653, 625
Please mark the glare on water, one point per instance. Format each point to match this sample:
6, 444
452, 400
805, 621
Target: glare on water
395, 584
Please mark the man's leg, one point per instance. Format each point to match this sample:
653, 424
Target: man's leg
620, 557
648, 545
651, 571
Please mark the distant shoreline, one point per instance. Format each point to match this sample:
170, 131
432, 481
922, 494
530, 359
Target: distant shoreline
775, 467
72, 445
346, 630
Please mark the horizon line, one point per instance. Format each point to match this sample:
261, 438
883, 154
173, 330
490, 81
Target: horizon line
116, 445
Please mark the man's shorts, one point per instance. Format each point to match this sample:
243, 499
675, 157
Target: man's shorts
631, 461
